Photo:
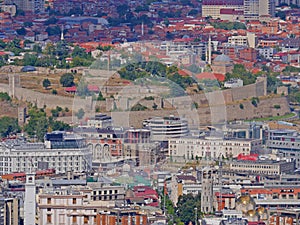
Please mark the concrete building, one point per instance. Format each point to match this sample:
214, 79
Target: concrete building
214, 148
30, 200
34, 6
286, 143
238, 40
100, 121
289, 2
254, 9
9, 211
268, 167
167, 127
274, 197
267, 52
207, 196
212, 7
61, 151
84, 205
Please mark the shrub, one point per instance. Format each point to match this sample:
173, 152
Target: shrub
276, 106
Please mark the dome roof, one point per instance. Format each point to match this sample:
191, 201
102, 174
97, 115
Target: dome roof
222, 58
251, 213
261, 210
245, 200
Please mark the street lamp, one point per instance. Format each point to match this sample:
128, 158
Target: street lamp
196, 216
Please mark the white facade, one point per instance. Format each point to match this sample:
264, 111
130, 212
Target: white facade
234, 83
100, 121
30, 200
238, 40
20, 156
212, 148
64, 207
168, 127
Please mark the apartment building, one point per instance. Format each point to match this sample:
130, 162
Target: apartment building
35, 6
214, 148
9, 210
76, 205
61, 150
274, 197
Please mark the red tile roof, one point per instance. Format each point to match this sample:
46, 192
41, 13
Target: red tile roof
212, 76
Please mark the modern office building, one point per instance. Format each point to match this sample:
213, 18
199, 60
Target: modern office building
61, 150
286, 142
167, 127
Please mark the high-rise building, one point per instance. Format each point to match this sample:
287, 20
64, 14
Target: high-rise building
34, 6
254, 9
251, 9
9, 211
267, 7
207, 190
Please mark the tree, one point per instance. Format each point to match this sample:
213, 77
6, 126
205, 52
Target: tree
8, 125
100, 97
51, 20
138, 107
80, 113
82, 89
58, 125
4, 96
29, 59
28, 24
53, 30
67, 80
38, 124
154, 106
46, 83
186, 207
21, 31
37, 48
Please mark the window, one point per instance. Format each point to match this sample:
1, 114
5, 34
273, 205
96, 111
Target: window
85, 219
49, 219
74, 200
74, 219
48, 200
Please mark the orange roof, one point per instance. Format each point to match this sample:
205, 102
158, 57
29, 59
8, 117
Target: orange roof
184, 73
212, 76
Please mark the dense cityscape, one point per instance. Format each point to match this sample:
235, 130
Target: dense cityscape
126, 112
